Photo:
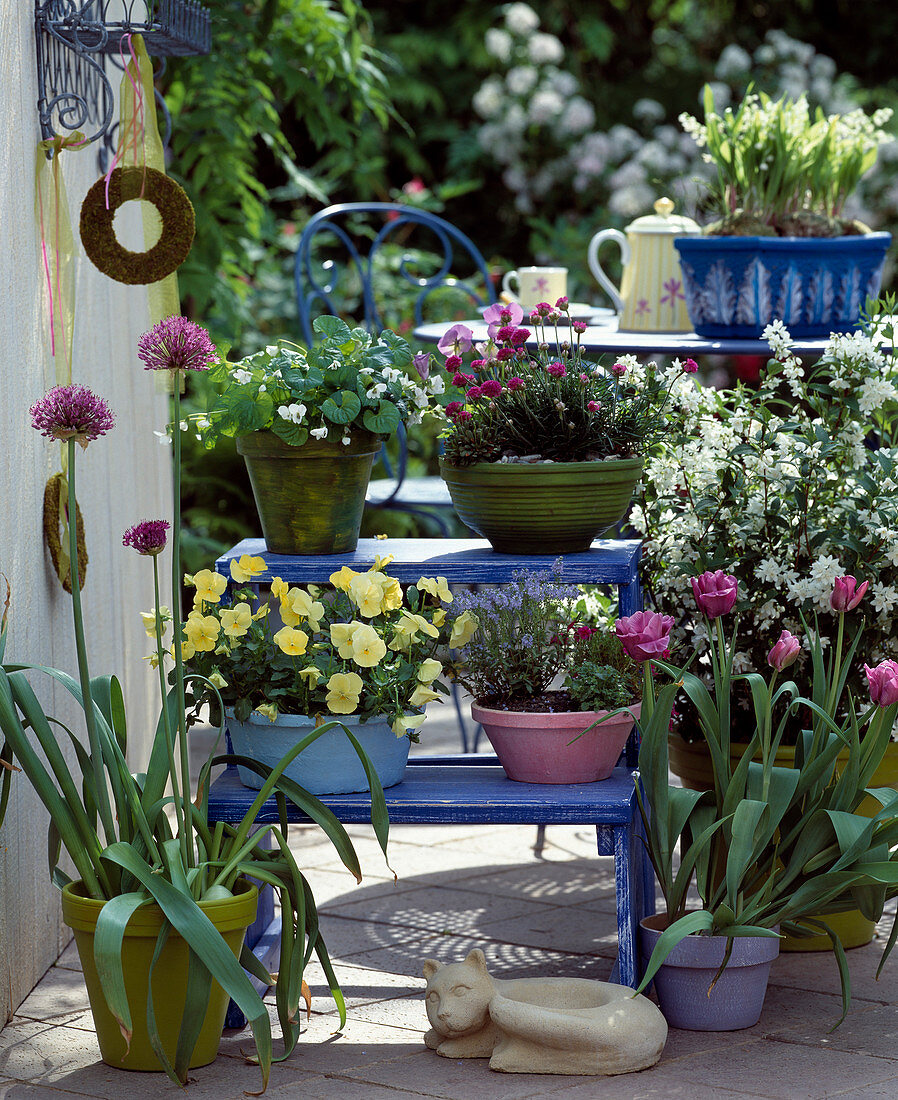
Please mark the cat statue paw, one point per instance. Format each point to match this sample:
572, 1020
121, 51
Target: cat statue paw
539, 1025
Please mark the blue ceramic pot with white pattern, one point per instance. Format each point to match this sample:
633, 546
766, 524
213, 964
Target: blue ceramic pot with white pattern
735, 286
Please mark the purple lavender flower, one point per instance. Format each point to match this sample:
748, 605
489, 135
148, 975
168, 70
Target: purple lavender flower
72, 412
147, 537
176, 344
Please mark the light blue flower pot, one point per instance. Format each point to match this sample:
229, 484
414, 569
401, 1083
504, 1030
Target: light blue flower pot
735, 286
329, 765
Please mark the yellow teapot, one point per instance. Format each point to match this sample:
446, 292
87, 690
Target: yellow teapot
651, 291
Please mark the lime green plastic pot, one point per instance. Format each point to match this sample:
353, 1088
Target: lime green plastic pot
310, 499
231, 916
544, 507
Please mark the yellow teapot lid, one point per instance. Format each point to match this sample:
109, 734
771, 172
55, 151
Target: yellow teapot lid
664, 221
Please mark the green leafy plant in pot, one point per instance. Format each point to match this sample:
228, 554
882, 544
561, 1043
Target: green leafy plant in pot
781, 246
527, 639
544, 452
310, 423
767, 849
365, 652
162, 898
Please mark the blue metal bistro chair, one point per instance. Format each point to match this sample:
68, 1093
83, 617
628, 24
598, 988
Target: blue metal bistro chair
355, 249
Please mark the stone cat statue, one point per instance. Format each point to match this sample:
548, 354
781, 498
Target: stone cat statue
539, 1025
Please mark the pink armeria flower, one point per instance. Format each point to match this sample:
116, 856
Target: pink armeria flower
453, 362
491, 388
463, 379
784, 652
502, 314
594, 406
584, 377
846, 594
561, 304
474, 393
645, 635
504, 353
580, 326
147, 537
557, 369
690, 366
453, 409
176, 344
883, 681
72, 412
515, 383
477, 364
619, 370
715, 593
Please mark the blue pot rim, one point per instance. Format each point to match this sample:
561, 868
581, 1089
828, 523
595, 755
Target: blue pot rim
871, 242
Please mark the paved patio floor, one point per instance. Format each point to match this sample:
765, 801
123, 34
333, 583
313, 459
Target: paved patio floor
532, 913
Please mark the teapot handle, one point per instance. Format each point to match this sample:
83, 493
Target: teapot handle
592, 257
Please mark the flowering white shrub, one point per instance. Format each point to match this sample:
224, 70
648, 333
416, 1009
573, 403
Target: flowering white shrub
786, 487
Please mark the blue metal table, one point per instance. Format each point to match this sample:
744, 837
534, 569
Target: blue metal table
473, 788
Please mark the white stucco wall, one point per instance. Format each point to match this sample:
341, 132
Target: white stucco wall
121, 479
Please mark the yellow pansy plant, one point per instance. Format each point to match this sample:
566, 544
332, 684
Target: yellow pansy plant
429, 670
162, 615
291, 641
423, 694
236, 621
404, 723
463, 630
209, 586
279, 588
366, 594
368, 648
268, 710
246, 568
343, 692
310, 674
202, 632
435, 586
342, 578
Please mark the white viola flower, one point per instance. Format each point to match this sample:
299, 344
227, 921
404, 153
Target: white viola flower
392, 374
377, 389
263, 388
335, 364
319, 433
241, 376
294, 412
272, 350
436, 384
346, 440
420, 398
545, 49
521, 18
366, 371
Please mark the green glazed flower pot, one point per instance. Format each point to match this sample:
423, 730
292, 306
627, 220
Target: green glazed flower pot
542, 508
231, 916
310, 499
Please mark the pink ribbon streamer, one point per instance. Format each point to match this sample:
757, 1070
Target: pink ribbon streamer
137, 85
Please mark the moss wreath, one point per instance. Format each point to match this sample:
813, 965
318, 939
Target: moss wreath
98, 234
53, 539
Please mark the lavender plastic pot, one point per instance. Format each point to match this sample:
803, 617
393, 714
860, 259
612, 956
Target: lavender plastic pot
683, 981
539, 747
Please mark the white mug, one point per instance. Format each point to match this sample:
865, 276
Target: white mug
535, 285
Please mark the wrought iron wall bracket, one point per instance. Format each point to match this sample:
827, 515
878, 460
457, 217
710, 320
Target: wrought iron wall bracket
76, 37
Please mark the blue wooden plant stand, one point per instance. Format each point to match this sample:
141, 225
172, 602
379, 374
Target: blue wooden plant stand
473, 788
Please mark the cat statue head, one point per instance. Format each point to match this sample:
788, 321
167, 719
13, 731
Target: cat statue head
458, 995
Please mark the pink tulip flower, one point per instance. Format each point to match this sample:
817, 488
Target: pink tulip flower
715, 593
644, 635
883, 681
847, 594
785, 652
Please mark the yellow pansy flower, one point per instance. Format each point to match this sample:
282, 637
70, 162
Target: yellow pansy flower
439, 616
235, 621
400, 643
209, 587
269, 710
342, 578
391, 591
463, 630
263, 611
162, 614
366, 594
435, 586
187, 651
341, 637
202, 632
429, 670
218, 680
368, 648
406, 722
291, 641
427, 627
343, 691
247, 568
380, 563
423, 694
279, 588
298, 605
312, 674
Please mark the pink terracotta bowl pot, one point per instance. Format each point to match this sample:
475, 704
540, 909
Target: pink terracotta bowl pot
539, 747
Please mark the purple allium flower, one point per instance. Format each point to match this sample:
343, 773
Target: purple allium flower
516, 383
176, 344
557, 369
72, 412
147, 537
491, 388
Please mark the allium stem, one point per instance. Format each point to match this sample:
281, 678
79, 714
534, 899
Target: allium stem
96, 751
176, 610
166, 717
